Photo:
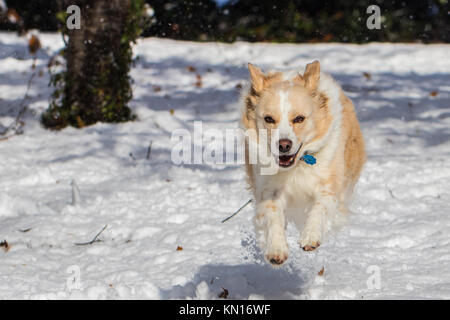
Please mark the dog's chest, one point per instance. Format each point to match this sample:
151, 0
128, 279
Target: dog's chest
299, 190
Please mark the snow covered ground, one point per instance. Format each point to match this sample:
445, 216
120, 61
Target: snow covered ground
396, 244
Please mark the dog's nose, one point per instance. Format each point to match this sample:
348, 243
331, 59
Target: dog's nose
284, 145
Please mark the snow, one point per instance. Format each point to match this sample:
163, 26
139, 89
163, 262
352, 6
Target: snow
395, 245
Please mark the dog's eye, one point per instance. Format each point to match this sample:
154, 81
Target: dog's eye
299, 119
269, 119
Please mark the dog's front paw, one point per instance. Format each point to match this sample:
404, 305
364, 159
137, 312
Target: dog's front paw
277, 258
310, 237
308, 244
310, 247
277, 253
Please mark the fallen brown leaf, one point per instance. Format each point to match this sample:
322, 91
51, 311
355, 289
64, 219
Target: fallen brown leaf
34, 44
434, 93
4, 244
320, 273
367, 75
224, 293
179, 248
199, 82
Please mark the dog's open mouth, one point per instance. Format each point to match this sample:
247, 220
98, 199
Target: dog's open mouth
286, 161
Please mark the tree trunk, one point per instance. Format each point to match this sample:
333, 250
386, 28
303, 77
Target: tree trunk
96, 86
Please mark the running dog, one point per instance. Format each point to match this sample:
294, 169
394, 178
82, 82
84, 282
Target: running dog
311, 134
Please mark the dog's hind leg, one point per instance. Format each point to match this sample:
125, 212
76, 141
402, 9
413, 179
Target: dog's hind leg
270, 224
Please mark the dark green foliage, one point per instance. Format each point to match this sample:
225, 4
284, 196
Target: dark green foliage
96, 87
301, 20
341, 21
184, 19
282, 20
36, 14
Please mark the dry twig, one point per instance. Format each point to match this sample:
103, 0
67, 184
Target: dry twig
226, 219
93, 240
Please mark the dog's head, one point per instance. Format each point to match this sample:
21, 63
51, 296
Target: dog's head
289, 110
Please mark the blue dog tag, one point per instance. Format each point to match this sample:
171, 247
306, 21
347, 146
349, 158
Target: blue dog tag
309, 159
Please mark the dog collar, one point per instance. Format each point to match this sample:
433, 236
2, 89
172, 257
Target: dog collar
309, 159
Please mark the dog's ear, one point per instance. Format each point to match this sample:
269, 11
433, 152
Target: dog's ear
257, 77
312, 75
299, 79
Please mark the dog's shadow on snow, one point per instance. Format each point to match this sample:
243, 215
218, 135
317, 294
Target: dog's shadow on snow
254, 279
242, 281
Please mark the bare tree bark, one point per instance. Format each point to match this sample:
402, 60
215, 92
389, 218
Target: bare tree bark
96, 86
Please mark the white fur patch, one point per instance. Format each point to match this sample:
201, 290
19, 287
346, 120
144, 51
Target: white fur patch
329, 142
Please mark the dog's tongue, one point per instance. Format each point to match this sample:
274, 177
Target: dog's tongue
284, 160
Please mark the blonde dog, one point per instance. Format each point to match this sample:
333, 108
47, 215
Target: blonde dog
295, 116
